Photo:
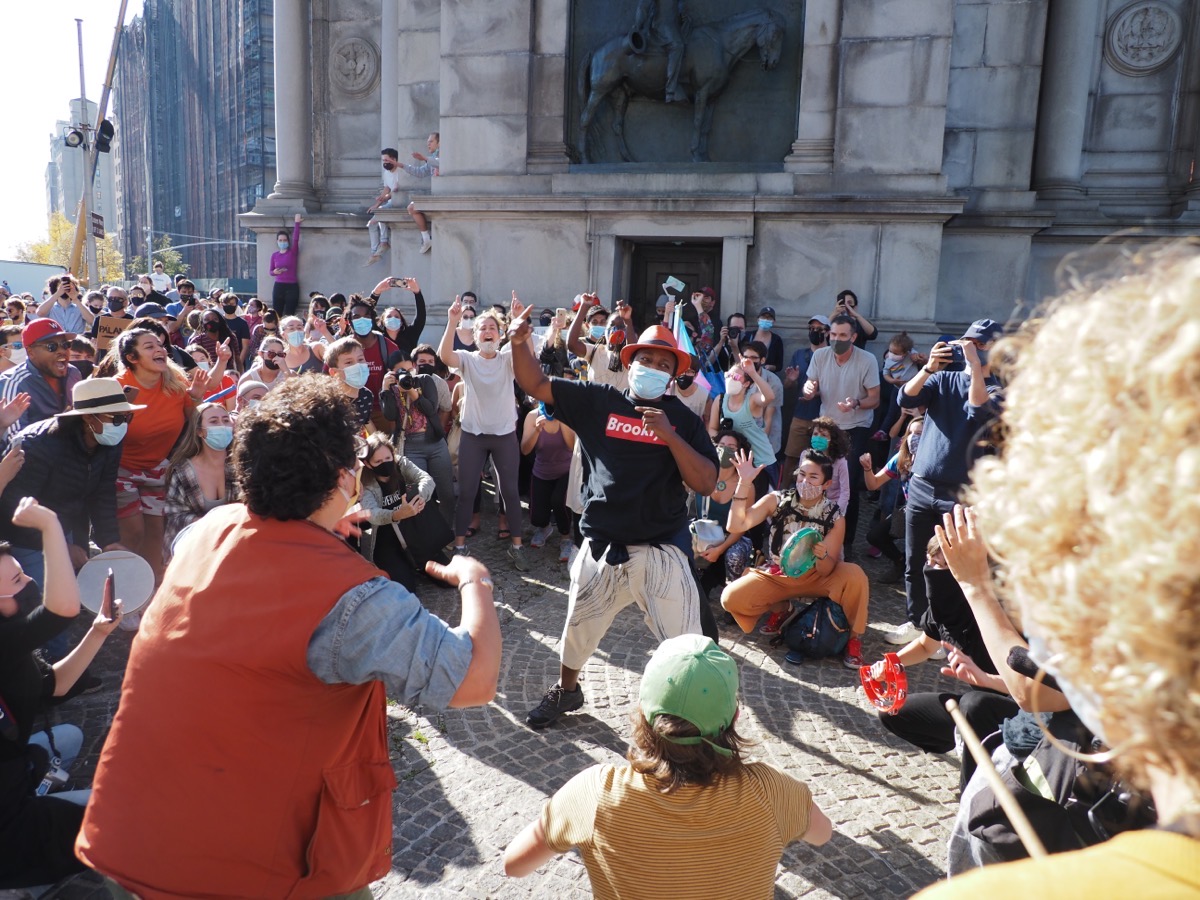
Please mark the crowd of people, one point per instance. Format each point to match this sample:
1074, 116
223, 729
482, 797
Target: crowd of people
207, 434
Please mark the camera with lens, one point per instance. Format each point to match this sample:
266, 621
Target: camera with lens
406, 380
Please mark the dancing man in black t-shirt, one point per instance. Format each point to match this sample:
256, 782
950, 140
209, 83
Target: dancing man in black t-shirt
641, 450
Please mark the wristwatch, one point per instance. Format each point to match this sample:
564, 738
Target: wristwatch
485, 581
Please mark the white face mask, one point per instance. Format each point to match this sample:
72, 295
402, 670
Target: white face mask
734, 386
203, 365
18, 355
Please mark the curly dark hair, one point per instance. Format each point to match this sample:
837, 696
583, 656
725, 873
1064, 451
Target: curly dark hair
743, 442
291, 449
839, 441
673, 765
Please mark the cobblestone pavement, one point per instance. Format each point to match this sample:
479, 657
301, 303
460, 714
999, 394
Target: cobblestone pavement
470, 779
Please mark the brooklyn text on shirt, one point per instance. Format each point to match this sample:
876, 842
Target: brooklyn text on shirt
628, 428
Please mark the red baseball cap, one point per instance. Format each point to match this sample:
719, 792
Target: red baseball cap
41, 330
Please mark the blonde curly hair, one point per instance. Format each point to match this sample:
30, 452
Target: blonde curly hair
1093, 505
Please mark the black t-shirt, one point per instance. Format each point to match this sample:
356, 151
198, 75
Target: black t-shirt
240, 329
949, 618
26, 683
633, 492
363, 404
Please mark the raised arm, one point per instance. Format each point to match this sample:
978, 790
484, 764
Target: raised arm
574, 344
446, 350
742, 515
967, 557
526, 368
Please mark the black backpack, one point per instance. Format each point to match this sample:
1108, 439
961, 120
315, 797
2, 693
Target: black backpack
817, 630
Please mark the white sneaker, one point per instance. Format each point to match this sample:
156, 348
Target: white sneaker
538, 538
566, 550
904, 635
426, 246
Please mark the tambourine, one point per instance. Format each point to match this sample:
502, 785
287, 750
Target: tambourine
890, 698
797, 556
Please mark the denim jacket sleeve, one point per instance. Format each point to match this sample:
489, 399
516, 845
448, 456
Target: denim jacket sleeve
380, 631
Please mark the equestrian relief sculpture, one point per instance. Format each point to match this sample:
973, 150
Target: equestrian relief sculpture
664, 58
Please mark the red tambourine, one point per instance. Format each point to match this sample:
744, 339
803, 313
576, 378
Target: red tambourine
894, 691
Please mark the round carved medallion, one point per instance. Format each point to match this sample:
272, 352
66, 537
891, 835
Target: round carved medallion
1143, 37
354, 65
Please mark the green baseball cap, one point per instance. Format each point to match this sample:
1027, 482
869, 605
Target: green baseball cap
692, 678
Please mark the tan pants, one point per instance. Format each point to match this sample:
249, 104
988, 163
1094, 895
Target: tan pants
755, 592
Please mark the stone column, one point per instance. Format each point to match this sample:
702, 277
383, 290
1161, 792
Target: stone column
812, 151
293, 102
389, 73
1067, 68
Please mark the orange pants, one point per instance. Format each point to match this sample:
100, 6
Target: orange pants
755, 592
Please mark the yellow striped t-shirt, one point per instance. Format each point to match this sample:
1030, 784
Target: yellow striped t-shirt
723, 840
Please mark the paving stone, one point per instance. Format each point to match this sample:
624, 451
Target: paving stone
471, 779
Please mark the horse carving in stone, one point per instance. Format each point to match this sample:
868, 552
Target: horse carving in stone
711, 53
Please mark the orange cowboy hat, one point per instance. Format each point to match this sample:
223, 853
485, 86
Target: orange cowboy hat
657, 337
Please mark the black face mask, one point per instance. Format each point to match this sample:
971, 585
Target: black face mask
212, 326
116, 305
230, 309
85, 367
426, 369
28, 598
685, 381
270, 364
96, 309
816, 336
385, 470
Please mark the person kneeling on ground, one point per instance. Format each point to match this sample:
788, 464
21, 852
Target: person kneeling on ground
687, 784
767, 589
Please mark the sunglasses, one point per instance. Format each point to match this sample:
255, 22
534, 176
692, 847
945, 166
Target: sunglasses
53, 346
272, 354
120, 419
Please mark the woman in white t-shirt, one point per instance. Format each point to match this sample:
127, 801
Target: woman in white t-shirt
489, 423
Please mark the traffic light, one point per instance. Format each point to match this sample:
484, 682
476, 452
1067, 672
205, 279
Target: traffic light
74, 138
104, 136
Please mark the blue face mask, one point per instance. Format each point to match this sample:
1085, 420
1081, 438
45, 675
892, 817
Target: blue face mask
295, 338
219, 437
819, 443
356, 375
547, 411
362, 327
596, 332
647, 383
766, 324
110, 434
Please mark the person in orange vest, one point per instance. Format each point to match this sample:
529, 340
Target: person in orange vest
249, 756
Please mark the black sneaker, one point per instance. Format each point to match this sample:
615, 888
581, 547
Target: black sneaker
554, 704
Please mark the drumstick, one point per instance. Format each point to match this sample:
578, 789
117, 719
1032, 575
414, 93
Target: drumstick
1012, 809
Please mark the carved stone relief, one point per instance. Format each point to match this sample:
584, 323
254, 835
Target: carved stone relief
1142, 37
354, 65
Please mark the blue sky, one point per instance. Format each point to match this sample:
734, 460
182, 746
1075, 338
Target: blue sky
40, 78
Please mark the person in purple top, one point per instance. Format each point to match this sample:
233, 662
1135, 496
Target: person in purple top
284, 266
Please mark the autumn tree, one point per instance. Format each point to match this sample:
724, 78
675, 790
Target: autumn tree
56, 249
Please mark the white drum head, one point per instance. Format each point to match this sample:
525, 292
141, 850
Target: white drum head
134, 580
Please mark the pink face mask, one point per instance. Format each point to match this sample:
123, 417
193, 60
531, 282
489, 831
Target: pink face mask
809, 491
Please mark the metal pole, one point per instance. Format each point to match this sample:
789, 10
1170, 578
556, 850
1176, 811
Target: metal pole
89, 142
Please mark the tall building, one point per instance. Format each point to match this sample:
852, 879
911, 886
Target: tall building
195, 145
65, 173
